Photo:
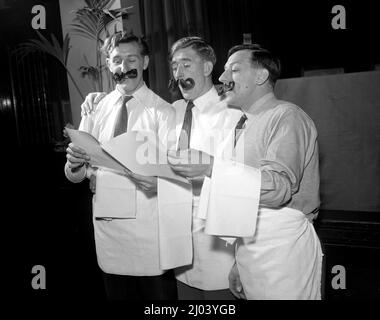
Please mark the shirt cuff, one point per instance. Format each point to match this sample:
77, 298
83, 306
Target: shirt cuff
90, 171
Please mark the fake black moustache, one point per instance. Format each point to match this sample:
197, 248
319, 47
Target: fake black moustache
119, 77
225, 87
185, 84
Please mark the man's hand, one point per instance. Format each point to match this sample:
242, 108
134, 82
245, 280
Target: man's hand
191, 163
91, 102
235, 284
146, 184
76, 157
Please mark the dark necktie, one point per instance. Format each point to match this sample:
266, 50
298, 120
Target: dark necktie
184, 138
122, 118
239, 128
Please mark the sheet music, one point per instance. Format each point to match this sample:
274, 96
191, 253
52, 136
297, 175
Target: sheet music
98, 157
139, 152
142, 153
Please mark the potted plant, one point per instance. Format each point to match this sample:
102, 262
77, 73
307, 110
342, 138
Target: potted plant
93, 22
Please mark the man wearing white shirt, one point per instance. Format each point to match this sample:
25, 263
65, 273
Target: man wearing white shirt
125, 206
201, 121
269, 200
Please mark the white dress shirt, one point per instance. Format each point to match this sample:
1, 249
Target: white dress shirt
212, 257
128, 246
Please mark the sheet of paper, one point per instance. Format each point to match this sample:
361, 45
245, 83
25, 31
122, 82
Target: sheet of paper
99, 158
142, 153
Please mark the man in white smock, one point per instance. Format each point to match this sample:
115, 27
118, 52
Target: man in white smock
201, 122
125, 211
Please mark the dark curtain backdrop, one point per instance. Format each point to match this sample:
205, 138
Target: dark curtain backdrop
299, 33
228, 20
222, 23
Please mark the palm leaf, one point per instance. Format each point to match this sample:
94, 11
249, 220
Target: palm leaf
52, 48
57, 48
120, 11
111, 16
86, 21
66, 48
93, 22
101, 4
109, 13
77, 29
36, 45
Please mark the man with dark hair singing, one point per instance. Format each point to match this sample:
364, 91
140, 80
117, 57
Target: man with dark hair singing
264, 195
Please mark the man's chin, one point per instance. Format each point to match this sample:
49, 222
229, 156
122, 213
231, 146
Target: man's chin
128, 86
186, 94
228, 97
125, 82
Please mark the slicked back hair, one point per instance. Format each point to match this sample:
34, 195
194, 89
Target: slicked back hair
263, 58
122, 37
196, 43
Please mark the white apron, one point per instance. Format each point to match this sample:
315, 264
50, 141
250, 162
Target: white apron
284, 258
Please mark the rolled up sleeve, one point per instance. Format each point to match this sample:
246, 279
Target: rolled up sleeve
284, 161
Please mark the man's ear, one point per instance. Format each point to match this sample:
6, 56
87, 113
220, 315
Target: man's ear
207, 68
146, 62
262, 76
108, 63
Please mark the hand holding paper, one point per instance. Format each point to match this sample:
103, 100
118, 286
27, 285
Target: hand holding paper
143, 154
76, 156
146, 184
92, 148
191, 163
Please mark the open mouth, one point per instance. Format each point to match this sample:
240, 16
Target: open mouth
185, 84
226, 87
119, 77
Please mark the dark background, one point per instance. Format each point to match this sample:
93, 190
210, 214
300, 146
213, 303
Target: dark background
47, 221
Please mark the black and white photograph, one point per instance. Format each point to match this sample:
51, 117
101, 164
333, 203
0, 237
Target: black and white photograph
171, 154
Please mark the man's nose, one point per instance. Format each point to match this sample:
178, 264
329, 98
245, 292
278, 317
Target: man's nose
225, 76
178, 74
124, 66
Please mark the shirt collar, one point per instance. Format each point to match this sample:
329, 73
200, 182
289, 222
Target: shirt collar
140, 94
259, 103
210, 97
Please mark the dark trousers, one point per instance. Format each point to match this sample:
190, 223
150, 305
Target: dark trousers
120, 287
186, 292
